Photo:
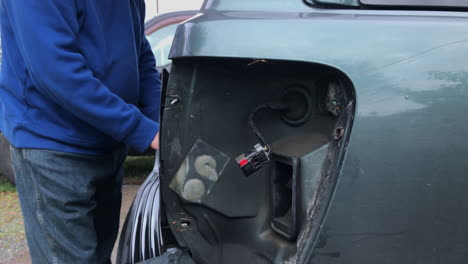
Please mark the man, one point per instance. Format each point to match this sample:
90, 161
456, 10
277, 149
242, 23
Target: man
78, 84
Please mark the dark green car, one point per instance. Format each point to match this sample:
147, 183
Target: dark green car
319, 131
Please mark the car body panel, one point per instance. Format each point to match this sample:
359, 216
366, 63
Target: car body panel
160, 23
166, 19
401, 195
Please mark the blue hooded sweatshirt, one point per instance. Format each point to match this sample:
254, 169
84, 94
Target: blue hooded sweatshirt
77, 75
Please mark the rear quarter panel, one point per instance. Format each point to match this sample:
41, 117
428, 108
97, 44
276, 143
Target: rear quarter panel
402, 193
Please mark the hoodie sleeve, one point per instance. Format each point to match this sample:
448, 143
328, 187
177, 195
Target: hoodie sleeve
150, 83
46, 32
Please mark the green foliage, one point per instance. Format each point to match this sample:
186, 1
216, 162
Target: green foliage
5, 185
137, 169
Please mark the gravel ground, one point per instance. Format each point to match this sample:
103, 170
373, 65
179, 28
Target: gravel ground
13, 246
12, 236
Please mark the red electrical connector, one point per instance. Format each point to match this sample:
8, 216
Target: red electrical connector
253, 160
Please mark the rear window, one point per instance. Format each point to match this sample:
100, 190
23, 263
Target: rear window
422, 3
419, 4
335, 2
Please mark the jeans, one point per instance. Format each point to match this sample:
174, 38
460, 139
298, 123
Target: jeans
70, 203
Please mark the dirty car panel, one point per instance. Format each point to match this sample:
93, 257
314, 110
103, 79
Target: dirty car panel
259, 217
368, 165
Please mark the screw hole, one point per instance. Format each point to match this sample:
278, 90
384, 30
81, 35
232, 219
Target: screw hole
185, 223
174, 101
339, 132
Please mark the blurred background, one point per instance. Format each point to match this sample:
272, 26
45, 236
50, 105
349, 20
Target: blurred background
154, 7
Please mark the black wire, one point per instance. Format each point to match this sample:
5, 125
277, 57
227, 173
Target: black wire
252, 124
270, 106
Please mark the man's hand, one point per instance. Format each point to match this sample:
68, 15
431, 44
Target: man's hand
155, 142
